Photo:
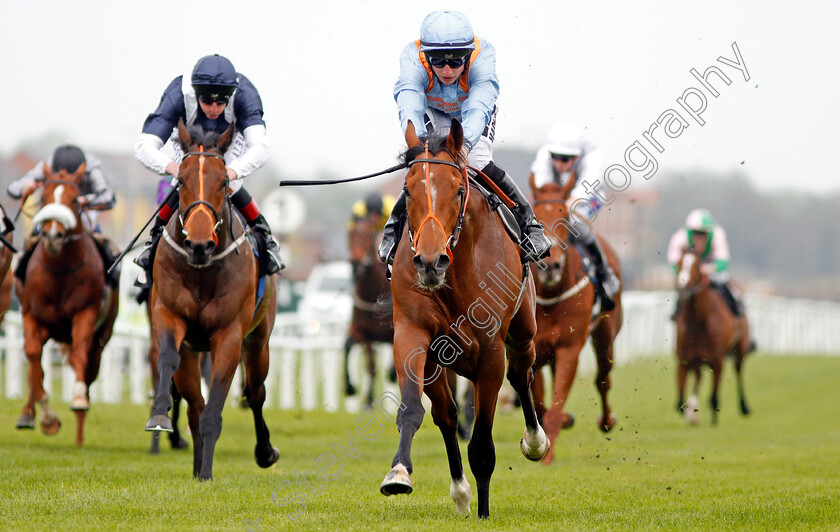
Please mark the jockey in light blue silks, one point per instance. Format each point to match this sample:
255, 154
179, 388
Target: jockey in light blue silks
214, 96
566, 155
449, 73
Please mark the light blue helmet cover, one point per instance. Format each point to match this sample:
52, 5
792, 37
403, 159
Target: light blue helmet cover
443, 30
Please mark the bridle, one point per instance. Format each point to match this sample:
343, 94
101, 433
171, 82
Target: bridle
201, 205
430, 215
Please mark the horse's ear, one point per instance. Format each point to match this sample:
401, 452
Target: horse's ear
223, 141
47, 172
455, 139
184, 136
411, 139
79, 173
533, 184
567, 188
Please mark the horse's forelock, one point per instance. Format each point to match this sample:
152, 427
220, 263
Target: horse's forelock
202, 137
437, 144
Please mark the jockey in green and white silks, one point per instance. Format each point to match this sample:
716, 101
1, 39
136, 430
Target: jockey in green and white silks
714, 257
450, 73
568, 155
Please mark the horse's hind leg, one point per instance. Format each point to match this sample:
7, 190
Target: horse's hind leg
602, 342
175, 439
739, 379
371, 366
256, 369
445, 415
717, 369
188, 382
349, 389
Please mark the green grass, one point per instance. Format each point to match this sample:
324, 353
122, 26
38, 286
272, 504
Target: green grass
778, 469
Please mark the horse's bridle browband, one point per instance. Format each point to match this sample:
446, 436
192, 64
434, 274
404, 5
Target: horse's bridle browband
456, 232
199, 203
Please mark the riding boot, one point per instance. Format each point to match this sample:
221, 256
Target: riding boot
270, 261
393, 231
535, 246
734, 304
607, 279
109, 257
146, 260
28, 249
676, 309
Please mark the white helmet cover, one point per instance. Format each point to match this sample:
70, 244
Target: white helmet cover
565, 138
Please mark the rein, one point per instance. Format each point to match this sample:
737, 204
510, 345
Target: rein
294, 183
456, 232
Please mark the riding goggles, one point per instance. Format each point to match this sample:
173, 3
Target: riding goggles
561, 157
452, 58
216, 98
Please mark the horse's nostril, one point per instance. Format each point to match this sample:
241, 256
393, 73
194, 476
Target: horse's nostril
419, 263
442, 262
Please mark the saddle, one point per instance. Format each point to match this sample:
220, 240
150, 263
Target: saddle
502, 210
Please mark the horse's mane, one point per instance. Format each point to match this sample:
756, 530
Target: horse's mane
203, 137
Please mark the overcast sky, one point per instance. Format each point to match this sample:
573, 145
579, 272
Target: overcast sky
90, 71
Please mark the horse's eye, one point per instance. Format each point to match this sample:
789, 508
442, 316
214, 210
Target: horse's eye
407, 195
461, 192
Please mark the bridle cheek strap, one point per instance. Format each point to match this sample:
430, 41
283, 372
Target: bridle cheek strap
430, 215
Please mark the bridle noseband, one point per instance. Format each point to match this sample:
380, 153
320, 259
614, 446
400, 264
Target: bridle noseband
201, 204
456, 232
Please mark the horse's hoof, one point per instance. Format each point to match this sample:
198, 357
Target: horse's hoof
25, 421
461, 493
267, 462
396, 482
568, 420
179, 443
50, 427
535, 446
80, 403
607, 426
160, 423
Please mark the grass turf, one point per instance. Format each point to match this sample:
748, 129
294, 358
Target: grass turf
778, 469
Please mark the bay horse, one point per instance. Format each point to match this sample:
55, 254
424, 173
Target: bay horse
459, 307
707, 331
6, 254
204, 297
567, 315
65, 298
370, 290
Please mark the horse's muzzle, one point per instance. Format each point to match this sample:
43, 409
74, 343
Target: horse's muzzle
200, 251
432, 270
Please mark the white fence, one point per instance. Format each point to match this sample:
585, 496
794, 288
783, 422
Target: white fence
306, 367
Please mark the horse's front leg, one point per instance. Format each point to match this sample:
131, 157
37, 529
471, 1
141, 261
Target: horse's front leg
226, 346
168, 332
34, 338
83, 327
410, 346
188, 382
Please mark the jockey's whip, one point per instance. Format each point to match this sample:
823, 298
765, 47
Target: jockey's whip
130, 245
337, 181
